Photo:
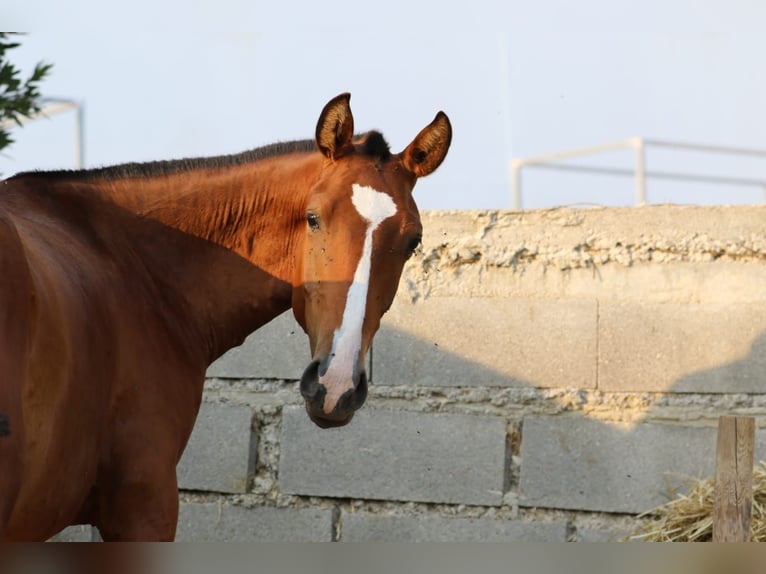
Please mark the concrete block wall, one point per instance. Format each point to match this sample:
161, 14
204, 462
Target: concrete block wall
542, 376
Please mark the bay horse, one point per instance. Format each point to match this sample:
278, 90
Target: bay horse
120, 285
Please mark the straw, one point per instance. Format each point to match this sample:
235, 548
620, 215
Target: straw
688, 517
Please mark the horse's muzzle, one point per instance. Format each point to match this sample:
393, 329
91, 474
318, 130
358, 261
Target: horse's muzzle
314, 393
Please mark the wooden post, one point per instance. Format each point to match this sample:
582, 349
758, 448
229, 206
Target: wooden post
733, 479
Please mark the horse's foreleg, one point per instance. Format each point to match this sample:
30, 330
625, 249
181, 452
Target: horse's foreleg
140, 503
140, 512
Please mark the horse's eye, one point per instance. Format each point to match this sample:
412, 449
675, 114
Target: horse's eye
413, 245
313, 221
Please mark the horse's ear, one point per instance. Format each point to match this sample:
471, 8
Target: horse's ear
429, 148
335, 127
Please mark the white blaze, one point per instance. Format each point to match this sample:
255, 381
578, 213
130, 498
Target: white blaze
374, 207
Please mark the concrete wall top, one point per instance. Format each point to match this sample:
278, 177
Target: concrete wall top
512, 253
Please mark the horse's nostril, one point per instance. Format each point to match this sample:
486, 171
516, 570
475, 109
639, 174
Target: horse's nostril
360, 391
354, 398
310, 387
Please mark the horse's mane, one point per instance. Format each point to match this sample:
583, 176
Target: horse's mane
373, 144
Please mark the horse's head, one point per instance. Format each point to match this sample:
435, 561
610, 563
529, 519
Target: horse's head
361, 225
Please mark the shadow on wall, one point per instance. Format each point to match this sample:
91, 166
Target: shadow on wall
581, 462
489, 342
746, 375
583, 447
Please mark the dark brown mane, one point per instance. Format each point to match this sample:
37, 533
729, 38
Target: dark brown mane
170, 167
374, 144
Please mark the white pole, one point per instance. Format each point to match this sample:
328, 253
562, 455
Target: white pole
640, 171
516, 183
56, 106
79, 136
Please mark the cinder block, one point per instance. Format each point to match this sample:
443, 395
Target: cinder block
711, 348
395, 455
211, 522
78, 533
616, 534
278, 350
220, 455
453, 341
365, 527
585, 464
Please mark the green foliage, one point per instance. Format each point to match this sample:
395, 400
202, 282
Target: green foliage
18, 98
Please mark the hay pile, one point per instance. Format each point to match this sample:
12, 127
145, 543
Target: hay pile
689, 517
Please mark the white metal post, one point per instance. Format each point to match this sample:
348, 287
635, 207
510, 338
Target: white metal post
79, 136
55, 106
516, 184
640, 170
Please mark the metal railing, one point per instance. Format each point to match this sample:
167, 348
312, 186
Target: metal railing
53, 106
638, 146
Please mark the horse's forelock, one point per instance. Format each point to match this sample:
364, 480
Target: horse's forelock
374, 144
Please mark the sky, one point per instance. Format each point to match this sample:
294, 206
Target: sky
170, 79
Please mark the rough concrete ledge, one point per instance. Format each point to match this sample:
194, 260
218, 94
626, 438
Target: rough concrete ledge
567, 238
613, 251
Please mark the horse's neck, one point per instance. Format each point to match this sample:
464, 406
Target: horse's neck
253, 209
236, 263
215, 296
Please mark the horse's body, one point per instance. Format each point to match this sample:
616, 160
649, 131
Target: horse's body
120, 286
